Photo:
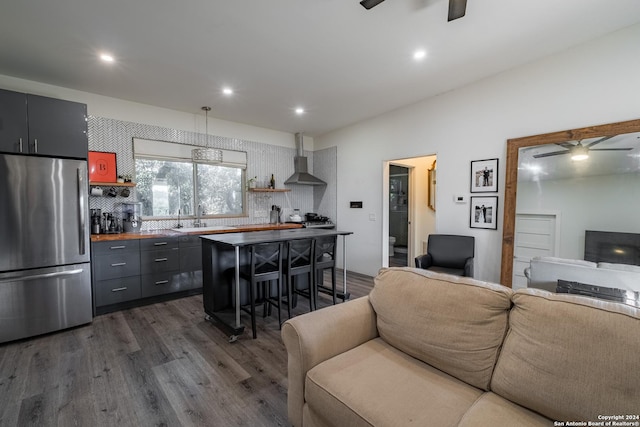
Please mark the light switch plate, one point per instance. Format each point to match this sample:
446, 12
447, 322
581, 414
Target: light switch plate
460, 199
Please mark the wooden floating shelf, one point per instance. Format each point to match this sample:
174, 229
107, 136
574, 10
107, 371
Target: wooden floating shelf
112, 184
269, 190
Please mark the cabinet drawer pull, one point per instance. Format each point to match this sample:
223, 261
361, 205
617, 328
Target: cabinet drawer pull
160, 259
20, 143
117, 247
162, 282
118, 264
160, 244
119, 289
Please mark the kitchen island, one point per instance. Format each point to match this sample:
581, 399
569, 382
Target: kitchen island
222, 254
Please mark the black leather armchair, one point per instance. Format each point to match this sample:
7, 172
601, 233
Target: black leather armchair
448, 253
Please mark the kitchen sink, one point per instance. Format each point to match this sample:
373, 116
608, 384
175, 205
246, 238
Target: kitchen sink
203, 229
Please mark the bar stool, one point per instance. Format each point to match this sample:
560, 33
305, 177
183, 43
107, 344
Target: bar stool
299, 262
325, 257
265, 265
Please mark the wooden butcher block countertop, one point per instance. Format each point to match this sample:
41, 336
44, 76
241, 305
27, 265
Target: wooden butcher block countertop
172, 233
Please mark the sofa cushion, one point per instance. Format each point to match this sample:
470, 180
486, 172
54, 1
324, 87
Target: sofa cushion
455, 324
491, 410
452, 271
619, 267
570, 357
569, 261
376, 384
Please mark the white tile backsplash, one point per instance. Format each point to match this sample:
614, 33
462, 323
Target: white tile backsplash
112, 135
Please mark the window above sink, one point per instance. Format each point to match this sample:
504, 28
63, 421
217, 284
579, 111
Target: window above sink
170, 184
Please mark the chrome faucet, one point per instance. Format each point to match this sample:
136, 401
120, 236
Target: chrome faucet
199, 212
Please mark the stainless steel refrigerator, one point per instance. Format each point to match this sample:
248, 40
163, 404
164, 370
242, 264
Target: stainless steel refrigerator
45, 274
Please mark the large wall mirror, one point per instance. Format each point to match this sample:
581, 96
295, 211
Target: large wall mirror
561, 184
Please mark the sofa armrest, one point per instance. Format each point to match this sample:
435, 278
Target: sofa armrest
314, 337
424, 261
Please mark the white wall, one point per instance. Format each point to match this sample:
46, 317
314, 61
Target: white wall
595, 83
585, 204
113, 108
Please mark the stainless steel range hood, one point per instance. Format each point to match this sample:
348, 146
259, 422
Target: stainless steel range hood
301, 173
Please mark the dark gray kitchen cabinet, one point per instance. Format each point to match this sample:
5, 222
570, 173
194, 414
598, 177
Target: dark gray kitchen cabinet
160, 266
161, 283
32, 124
57, 127
125, 271
159, 255
170, 265
116, 271
191, 262
190, 253
14, 133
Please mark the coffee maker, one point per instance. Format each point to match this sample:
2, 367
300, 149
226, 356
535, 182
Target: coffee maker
130, 214
96, 221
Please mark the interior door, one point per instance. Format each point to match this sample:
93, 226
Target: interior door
535, 235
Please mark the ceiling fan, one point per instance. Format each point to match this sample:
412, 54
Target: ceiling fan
457, 8
578, 149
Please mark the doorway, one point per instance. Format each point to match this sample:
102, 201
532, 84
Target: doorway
408, 212
399, 224
536, 235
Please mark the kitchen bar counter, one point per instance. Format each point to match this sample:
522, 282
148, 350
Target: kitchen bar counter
152, 234
222, 256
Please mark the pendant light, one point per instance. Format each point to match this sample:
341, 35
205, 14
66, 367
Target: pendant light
206, 155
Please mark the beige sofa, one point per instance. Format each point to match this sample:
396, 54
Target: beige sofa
427, 349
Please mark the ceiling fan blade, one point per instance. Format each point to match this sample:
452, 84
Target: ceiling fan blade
368, 4
457, 9
567, 144
599, 141
555, 153
610, 149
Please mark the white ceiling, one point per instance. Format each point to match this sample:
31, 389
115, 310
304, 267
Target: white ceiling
336, 59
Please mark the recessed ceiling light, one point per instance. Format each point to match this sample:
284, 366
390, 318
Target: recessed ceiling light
299, 110
105, 57
419, 54
227, 91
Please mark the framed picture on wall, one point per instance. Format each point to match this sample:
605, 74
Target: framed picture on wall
484, 176
431, 193
484, 212
102, 166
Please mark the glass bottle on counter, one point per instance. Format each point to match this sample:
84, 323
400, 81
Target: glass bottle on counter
272, 182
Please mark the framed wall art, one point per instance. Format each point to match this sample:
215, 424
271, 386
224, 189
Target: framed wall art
484, 176
102, 166
484, 212
431, 193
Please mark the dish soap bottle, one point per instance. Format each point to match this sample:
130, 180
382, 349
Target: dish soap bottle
272, 182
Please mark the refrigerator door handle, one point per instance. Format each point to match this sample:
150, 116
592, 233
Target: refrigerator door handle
44, 275
81, 207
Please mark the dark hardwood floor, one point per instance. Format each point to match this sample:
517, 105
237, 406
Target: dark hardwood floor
398, 260
158, 365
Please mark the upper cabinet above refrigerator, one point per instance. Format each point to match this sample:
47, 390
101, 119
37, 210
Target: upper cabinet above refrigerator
31, 124
14, 132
